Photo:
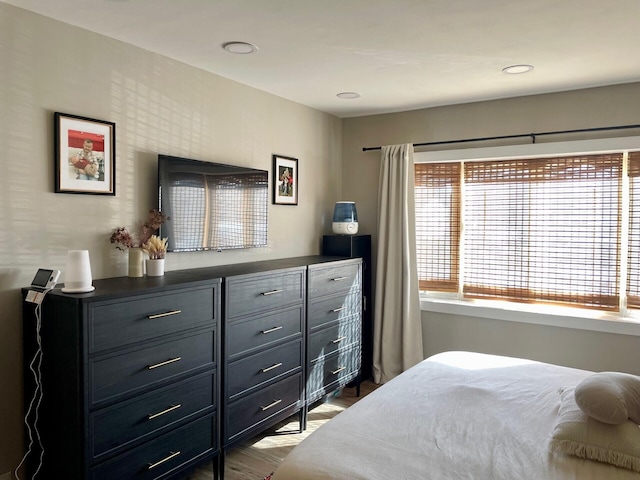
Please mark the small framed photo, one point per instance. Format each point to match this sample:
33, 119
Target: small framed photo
285, 180
85, 153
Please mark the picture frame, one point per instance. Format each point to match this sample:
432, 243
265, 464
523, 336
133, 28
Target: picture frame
85, 152
285, 180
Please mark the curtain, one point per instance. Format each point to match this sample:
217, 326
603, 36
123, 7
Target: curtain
397, 323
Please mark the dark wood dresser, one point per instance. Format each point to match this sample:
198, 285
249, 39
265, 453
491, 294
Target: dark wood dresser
264, 335
358, 246
145, 378
130, 380
335, 326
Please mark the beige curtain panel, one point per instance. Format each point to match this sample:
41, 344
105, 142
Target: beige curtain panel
397, 326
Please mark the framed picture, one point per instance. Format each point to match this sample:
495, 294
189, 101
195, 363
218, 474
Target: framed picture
285, 180
85, 152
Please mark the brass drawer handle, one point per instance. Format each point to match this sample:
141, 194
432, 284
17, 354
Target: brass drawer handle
166, 459
339, 309
170, 409
166, 362
335, 372
272, 292
165, 314
272, 404
270, 330
339, 339
268, 369
338, 279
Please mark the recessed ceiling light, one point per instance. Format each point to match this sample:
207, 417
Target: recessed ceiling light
241, 48
517, 69
348, 95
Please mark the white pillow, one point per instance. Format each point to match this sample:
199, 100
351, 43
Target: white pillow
611, 397
575, 433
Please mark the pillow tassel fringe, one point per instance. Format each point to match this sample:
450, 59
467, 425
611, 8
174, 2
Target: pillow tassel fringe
595, 453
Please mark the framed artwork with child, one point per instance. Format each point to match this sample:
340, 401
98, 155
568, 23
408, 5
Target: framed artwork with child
285, 180
85, 152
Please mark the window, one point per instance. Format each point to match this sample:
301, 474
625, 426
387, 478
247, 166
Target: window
562, 230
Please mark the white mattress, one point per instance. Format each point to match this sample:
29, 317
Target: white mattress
456, 415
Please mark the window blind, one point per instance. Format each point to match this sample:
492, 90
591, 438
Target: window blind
633, 269
544, 230
437, 194
535, 230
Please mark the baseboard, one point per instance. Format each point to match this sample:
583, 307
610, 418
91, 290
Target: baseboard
7, 476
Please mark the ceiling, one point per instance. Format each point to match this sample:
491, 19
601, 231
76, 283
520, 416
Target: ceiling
397, 54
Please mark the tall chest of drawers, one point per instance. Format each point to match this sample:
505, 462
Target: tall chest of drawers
130, 378
263, 335
334, 320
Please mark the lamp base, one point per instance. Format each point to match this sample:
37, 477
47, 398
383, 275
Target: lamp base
345, 228
88, 289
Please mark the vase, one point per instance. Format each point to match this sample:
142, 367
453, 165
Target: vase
136, 262
155, 267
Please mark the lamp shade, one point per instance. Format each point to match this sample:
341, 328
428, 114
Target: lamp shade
77, 277
345, 218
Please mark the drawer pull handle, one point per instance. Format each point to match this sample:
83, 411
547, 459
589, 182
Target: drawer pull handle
170, 409
268, 369
338, 279
335, 372
270, 330
166, 459
272, 404
339, 339
166, 362
165, 314
339, 309
272, 292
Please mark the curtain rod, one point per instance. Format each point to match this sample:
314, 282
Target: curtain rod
521, 135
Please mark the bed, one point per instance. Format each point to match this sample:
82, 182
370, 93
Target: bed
461, 415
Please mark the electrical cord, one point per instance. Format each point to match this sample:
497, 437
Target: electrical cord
34, 405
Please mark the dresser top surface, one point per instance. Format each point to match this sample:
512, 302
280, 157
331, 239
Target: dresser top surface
204, 276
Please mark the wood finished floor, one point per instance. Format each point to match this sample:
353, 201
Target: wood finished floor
261, 455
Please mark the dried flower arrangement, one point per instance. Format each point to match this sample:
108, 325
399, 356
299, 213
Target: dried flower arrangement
156, 247
124, 240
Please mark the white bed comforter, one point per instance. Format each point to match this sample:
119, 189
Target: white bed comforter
455, 416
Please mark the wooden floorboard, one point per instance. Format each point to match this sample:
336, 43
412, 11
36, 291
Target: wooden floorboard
260, 456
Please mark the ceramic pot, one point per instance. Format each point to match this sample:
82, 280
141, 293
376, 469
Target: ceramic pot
155, 268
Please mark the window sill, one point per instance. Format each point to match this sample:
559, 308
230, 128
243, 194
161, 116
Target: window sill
539, 315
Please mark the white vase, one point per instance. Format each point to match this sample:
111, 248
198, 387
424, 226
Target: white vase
155, 267
136, 262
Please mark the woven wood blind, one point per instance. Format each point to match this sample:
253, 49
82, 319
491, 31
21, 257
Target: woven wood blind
633, 269
437, 194
535, 230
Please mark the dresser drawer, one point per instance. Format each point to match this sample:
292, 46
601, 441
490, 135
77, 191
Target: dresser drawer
332, 372
157, 458
121, 322
119, 425
336, 337
254, 333
334, 308
260, 406
335, 278
263, 367
115, 375
259, 293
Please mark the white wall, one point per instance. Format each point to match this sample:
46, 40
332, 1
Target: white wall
159, 106
598, 107
585, 349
